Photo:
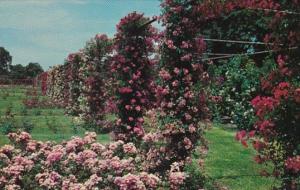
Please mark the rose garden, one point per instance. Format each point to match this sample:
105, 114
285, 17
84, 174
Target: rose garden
145, 108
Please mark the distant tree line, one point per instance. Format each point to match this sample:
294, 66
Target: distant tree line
18, 71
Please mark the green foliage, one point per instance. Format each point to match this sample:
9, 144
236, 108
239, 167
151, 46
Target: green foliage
24, 111
27, 126
244, 25
236, 83
33, 70
7, 127
17, 72
5, 61
51, 124
196, 178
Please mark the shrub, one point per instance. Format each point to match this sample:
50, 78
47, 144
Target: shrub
80, 163
277, 108
235, 83
278, 132
8, 124
27, 126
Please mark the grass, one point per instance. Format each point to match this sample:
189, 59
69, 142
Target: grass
228, 162
231, 164
50, 124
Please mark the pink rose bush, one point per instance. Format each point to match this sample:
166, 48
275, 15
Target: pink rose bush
132, 68
80, 163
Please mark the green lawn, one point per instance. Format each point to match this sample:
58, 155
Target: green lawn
228, 162
49, 124
231, 164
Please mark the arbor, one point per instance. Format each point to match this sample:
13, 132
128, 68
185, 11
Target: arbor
5, 61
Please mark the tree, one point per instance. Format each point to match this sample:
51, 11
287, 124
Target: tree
33, 69
17, 71
5, 61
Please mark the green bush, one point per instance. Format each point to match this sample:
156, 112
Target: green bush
234, 85
27, 126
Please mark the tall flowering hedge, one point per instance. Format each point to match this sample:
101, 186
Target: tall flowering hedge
95, 77
72, 83
132, 67
181, 106
55, 84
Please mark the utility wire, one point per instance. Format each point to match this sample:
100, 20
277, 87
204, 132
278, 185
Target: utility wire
245, 54
277, 11
220, 53
238, 41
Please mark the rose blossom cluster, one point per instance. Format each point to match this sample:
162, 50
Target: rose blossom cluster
293, 164
132, 68
142, 181
80, 163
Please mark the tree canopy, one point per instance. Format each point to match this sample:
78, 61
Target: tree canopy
5, 61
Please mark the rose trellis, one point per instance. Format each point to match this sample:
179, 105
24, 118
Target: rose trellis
132, 68
182, 108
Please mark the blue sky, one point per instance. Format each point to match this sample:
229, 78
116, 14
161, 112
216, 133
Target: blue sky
46, 31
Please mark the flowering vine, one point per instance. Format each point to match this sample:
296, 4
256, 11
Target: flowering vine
132, 68
181, 107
